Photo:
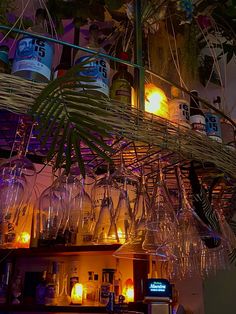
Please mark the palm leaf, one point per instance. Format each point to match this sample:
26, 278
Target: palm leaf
68, 117
76, 144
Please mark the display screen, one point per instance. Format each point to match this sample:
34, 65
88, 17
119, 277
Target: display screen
158, 288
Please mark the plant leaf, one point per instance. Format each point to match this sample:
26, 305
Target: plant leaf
76, 144
78, 116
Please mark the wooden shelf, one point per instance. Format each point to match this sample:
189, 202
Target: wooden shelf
60, 251
131, 308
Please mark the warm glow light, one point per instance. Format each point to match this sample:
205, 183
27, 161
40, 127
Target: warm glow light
23, 239
129, 295
77, 293
121, 235
128, 290
156, 101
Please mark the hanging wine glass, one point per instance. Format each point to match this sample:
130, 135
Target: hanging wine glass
189, 247
123, 217
17, 179
217, 258
53, 212
105, 229
128, 183
79, 219
142, 202
73, 204
106, 195
81, 216
141, 242
162, 223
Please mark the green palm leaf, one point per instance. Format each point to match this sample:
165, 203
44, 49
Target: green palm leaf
68, 113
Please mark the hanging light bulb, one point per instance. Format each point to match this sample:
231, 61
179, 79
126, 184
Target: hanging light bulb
156, 101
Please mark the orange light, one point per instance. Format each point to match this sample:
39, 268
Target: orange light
128, 290
23, 239
156, 101
77, 293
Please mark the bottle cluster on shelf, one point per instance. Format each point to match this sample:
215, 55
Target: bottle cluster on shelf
34, 58
60, 284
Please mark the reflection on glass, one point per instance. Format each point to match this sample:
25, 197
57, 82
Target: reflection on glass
52, 209
17, 179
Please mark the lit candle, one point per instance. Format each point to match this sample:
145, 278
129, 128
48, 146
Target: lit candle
77, 293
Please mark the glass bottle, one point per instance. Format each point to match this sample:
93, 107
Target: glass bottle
106, 286
197, 118
122, 82
117, 281
98, 69
52, 290
41, 289
4, 62
5, 280
97, 288
65, 63
16, 289
90, 288
33, 56
74, 277
213, 127
179, 108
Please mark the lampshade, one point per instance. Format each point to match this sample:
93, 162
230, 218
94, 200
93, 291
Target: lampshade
156, 101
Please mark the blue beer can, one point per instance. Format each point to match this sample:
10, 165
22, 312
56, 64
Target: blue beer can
213, 127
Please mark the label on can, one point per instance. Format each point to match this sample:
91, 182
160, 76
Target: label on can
213, 127
34, 55
121, 91
179, 112
198, 123
97, 70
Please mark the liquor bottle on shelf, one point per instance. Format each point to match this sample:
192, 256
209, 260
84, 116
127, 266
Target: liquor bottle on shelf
117, 282
97, 288
98, 69
33, 56
41, 289
213, 127
179, 108
16, 289
5, 282
197, 118
227, 129
106, 286
122, 82
4, 61
74, 277
90, 288
52, 290
65, 63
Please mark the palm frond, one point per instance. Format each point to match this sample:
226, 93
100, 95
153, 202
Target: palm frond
67, 111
